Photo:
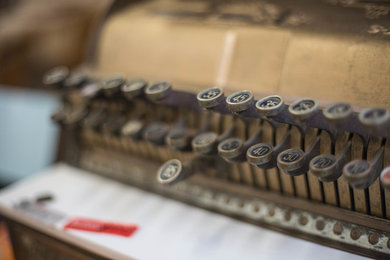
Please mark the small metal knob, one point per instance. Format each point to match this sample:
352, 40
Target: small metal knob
178, 138
337, 112
133, 88
112, 85
205, 143
323, 166
174, 170
327, 167
56, 76
132, 129
170, 172
211, 97
374, 117
259, 154
230, 148
264, 155
75, 80
357, 173
361, 174
91, 90
291, 160
156, 132
270, 106
240, 101
158, 90
303, 109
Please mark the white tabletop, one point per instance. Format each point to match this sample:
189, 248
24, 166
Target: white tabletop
167, 229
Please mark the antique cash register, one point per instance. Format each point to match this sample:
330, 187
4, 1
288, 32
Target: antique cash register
275, 113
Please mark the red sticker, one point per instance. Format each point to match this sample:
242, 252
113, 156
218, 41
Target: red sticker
99, 226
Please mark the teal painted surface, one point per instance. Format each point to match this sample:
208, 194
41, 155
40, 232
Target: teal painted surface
28, 138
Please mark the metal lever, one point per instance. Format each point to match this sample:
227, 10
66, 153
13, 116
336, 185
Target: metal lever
295, 162
360, 174
264, 155
327, 167
174, 170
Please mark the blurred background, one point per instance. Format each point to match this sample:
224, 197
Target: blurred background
36, 35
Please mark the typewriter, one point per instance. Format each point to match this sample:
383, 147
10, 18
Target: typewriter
270, 112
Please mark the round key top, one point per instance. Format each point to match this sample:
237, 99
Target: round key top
133, 88
259, 154
303, 108
337, 111
178, 138
211, 97
91, 89
204, 143
269, 106
385, 178
170, 172
156, 132
111, 86
56, 76
132, 129
230, 148
357, 173
158, 90
324, 167
75, 80
240, 101
374, 116
290, 160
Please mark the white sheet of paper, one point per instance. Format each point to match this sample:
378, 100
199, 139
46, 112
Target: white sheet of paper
167, 229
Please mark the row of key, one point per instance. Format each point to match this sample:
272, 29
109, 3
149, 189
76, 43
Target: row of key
303, 114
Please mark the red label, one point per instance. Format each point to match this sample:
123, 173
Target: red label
99, 226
